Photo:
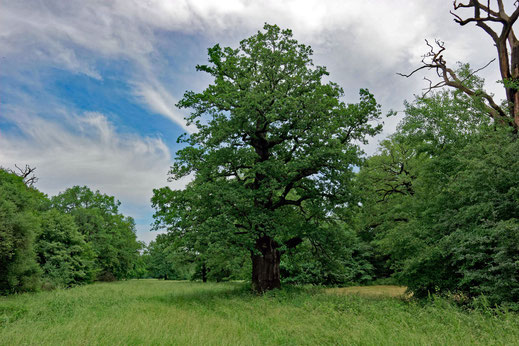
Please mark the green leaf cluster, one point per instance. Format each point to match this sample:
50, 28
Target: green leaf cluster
110, 234
19, 270
74, 238
440, 201
274, 152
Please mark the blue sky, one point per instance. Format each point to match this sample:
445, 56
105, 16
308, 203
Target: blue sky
88, 88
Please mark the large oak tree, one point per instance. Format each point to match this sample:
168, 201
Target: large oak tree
273, 155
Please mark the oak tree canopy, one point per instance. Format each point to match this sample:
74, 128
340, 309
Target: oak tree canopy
273, 153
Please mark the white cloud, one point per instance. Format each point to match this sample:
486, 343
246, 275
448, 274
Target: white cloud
362, 43
87, 150
159, 100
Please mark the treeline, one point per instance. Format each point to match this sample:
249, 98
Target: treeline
280, 180
435, 209
440, 201
171, 259
76, 237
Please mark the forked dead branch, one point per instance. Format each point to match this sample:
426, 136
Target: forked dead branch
487, 17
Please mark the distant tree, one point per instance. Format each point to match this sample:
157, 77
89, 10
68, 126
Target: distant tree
64, 256
274, 152
166, 261
489, 16
111, 234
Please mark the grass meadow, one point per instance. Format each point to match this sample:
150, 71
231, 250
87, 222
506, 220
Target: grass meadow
188, 313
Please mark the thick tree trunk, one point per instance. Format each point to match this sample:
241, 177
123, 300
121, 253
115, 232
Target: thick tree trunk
204, 272
265, 265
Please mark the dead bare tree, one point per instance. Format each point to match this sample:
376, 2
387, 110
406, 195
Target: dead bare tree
486, 16
27, 173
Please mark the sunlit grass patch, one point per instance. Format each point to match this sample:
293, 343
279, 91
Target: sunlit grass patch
371, 291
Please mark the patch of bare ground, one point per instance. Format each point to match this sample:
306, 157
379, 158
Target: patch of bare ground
378, 291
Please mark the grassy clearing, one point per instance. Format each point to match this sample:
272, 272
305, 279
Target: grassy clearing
166, 312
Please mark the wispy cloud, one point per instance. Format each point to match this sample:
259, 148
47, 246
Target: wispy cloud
160, 101
375, 37
87, 150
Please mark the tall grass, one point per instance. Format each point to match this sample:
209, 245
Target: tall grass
185, 313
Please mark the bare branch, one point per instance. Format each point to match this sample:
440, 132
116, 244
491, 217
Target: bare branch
26, 173
462, 22
480, 69
508, 54
433, 60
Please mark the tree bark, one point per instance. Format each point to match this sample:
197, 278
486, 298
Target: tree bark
265, 265
515, 78
204, 272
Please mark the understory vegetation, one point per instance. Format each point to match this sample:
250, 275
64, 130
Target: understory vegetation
73, 238
186, 313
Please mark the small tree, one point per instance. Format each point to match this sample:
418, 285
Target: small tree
111, 235
273, 154
64, 256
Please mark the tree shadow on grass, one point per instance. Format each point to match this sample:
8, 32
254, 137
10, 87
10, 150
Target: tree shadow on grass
210, 296
204, 295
